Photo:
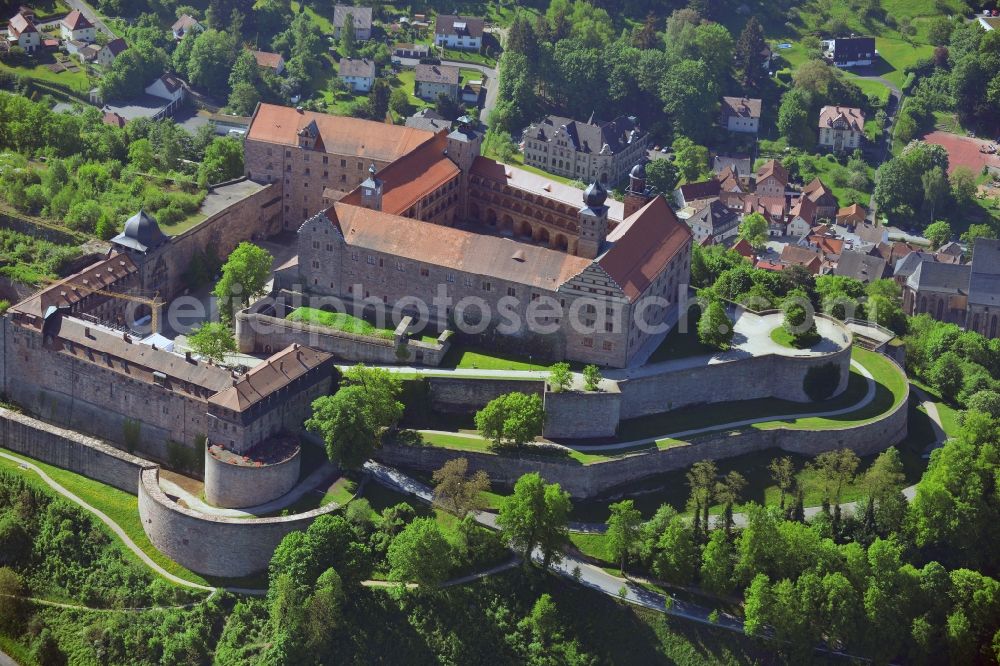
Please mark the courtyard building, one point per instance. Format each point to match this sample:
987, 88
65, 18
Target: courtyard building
586, 151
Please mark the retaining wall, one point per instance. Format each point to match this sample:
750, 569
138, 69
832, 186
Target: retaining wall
600, 478
469, 394
71, 450
236, 486
214, 545
582, 414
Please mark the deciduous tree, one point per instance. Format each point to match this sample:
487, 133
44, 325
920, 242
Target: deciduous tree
244, 278
458, 491
213, 341
535, 516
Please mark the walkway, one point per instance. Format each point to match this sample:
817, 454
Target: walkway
195, 503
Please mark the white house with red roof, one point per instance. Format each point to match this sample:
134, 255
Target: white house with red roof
75, 27
110, 51
21, 31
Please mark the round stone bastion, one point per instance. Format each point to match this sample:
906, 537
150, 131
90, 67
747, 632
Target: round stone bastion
214, 545
265, 472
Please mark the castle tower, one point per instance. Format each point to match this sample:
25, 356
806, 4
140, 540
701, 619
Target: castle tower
637, 195
464, 146
593, 221
371, 190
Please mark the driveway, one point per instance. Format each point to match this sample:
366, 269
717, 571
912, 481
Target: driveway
491, 81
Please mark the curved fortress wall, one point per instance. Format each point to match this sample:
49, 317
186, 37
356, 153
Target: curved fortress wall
237, 486
214, 545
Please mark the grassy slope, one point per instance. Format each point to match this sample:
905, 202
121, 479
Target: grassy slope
340, 321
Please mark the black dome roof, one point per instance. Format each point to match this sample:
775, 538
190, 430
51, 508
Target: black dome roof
141, 233
638, 171
595, 195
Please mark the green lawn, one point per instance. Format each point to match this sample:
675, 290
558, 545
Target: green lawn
592, 545
177, 229
320, 21
35, 70
340, 321
468, 56
119, 506
460, 356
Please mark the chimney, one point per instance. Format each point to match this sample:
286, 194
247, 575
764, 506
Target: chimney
299, 109
187, 357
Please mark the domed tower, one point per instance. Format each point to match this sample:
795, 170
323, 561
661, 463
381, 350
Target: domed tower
593, 218
637, 195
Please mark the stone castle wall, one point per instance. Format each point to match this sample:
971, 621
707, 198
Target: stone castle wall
214, 545
256, 216
600, 478
573, 414
469, 394
70, 450
259, 332
237, 486
771, 376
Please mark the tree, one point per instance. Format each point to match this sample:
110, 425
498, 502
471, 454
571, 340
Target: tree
380, 390
662, 176
715, 328
512, 419
783, 473
676, 559
946, 375
348, 39
420, 553
323, 611
243, 99
213, 341
701, 481
884, 482
379, 98
223, 161
793, 118
11, 605
717, 560
399, 102
560, 377
210, 63
690, 158
623, 530
340, 420
689, 92
728, 492
963, 186
591, 377
244, 278
535, 516
458, 491
750, 45
798, 320
835, 469
938, 234
753, 229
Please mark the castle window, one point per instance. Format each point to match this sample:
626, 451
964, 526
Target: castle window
329, 247
400, 267
587, 342
487, 286
468, 282
268, 151
315, 245
534, 296
307, 172
449, 277
343, 163
381, 262
288, 153
354, 256
608, 346
425, 272
511, 291
360, 166
305, 158
326, 174
609, 327
326, 159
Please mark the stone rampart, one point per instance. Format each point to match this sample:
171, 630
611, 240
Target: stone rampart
71, 450
582, 414
468, 394
214, 545
769, 376
260, 333
601, 478
236, 486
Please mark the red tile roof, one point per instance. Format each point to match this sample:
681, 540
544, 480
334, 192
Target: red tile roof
273, 374
111, 118
366, 139
21, 24
772, 168
75, 20
643, 245
268, 59
744, 107
744, 249
829, 115
413, 176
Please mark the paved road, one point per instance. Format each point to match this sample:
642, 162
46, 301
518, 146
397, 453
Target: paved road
6, 660
884, 148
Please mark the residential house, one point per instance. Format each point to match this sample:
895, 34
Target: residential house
984, 288
950, 253
357, 73
989, 24
745, 250
410, 50
860, 266
471, 91
86, 51
75, 27
801, 216
851, 216
598, 150
428, 119
876, 234
772, 208
170, 88
695, 195
741, 166
361, 17
851, 51
464, 33
21, 31
272, 61
940, 290
818, 193
184, 25
768, 265
841, 127
111, 118
741, 114
110, 51
714, 221
797, 255
772, 179
431, 81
